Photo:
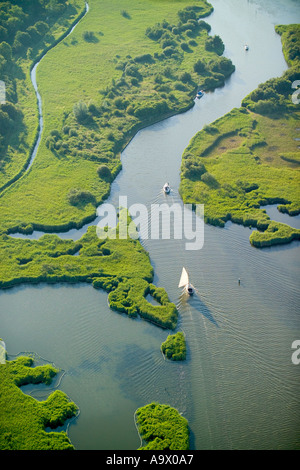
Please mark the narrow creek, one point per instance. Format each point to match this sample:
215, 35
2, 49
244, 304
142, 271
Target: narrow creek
238, 387
38, 96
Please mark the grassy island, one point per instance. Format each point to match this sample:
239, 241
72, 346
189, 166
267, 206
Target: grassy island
174, 347
24, 419
120, 266
162, 427
250, 157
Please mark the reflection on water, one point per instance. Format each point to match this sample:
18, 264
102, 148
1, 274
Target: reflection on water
238, 387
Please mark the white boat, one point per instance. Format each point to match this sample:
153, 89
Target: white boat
200, 94
184, 282
166, 188
246, 47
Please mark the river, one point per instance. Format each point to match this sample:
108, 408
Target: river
238, 387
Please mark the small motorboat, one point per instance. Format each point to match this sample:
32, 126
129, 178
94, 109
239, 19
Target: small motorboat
166, 188
246, 47
200, 94
184, 282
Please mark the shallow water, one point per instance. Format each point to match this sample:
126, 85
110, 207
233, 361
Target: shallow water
238, 387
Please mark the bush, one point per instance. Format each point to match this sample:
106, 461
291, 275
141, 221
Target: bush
185, 15
80, 111
203, 25
89, 36
192, 168
155, 32
184, 46
222, 65
144, 58
215, 44
104, 172
125, 14
185, 77
78, 197
199, 66
209, 179
151, 109
168, 51
5, 50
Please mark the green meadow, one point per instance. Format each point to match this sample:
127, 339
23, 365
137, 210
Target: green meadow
98, 88
27, 30
24, 419
250, 158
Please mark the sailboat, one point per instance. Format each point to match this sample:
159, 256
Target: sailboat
184, 282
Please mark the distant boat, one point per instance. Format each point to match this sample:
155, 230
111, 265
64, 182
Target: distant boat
200, 94
246, 47
184, 282
166, 188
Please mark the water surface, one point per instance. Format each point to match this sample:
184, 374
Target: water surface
238, 387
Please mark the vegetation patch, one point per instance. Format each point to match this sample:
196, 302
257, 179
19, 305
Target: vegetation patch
24, 419
120, 266
162, 428
174, 347
26, 30
249, 158
149, 71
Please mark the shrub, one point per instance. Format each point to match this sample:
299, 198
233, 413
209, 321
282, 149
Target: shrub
144, 58
192, 168
104, 172
215, 43
78, 197
203, 25
185, 15
80, 111
185, 77
132, 70
125, 14
5, 50
155, 32
168, 43
209, 179
151, 109
184, 46
168, 51
89, 36
92, 108
199, 66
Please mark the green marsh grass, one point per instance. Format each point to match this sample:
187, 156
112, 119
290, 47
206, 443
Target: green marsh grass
174, 347
126, 82
249, 158
120, 266
162, 428
24, 419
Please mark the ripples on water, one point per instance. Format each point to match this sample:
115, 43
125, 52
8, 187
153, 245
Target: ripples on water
238, 387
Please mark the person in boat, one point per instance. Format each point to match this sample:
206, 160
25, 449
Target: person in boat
167, 188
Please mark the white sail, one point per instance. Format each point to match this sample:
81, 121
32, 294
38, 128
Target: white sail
184, 280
